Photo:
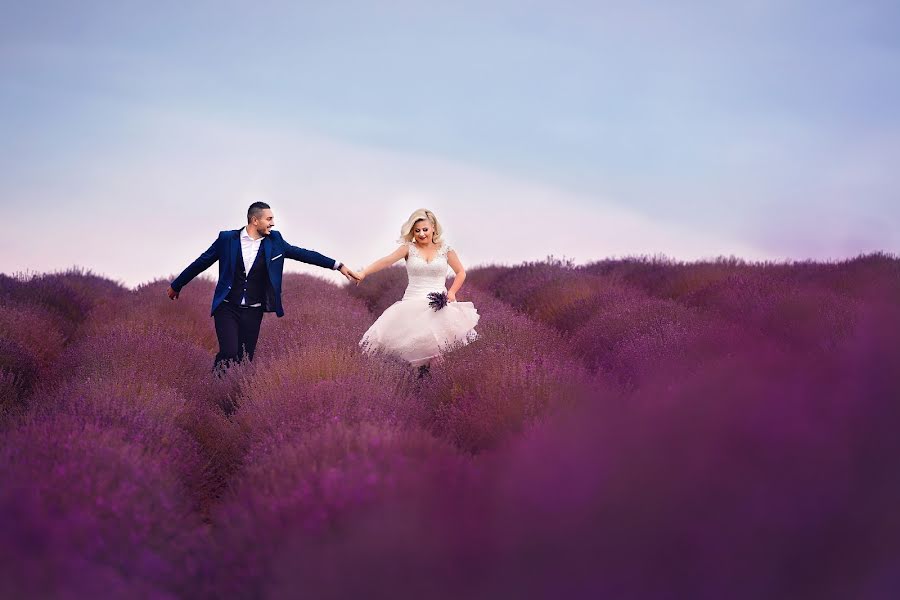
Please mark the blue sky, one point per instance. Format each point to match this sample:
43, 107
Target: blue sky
585, 129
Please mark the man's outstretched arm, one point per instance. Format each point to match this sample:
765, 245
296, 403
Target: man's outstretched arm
314, 258
203, 262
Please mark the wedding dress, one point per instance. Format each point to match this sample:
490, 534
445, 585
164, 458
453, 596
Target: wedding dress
411, 328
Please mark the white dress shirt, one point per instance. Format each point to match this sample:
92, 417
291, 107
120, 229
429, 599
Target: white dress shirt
249, 249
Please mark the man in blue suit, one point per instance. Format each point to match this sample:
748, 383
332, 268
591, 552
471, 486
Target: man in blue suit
251, 261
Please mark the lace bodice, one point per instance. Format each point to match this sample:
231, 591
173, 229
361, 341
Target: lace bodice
426, 276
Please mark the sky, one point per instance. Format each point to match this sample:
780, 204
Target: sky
132, 132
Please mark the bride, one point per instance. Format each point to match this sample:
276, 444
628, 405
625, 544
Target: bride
418, 328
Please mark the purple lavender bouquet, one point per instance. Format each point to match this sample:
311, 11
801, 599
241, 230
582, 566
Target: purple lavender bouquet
437, 300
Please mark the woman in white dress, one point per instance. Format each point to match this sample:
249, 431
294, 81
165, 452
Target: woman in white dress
417, 328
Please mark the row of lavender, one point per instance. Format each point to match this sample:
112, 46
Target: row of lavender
627, 428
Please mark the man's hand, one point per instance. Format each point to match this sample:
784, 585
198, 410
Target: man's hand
172, 293
351, 275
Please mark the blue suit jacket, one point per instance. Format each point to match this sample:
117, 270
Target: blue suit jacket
227, 250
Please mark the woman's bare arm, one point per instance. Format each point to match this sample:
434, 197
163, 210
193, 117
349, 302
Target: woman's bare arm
385, 262
456, 265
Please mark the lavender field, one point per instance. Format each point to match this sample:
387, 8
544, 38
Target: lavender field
631, 428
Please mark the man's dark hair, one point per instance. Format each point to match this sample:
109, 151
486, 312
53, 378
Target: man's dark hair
256, 209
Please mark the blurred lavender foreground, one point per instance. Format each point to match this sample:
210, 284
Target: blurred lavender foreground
627, 429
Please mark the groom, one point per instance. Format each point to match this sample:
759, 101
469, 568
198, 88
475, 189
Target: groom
250, 265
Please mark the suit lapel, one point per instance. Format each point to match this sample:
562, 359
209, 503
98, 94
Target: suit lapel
235, 250
267, 248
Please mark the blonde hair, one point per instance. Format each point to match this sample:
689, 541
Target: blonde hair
422, 214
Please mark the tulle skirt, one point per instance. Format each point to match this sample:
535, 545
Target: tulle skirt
417, 333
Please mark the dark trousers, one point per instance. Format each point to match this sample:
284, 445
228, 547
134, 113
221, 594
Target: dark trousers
237, 329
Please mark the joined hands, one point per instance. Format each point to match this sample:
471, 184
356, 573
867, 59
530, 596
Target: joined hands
351, 275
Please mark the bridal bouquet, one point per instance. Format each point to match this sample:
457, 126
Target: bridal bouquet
437, 300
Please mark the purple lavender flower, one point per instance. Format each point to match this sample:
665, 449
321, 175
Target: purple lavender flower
719, 425
437, 300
